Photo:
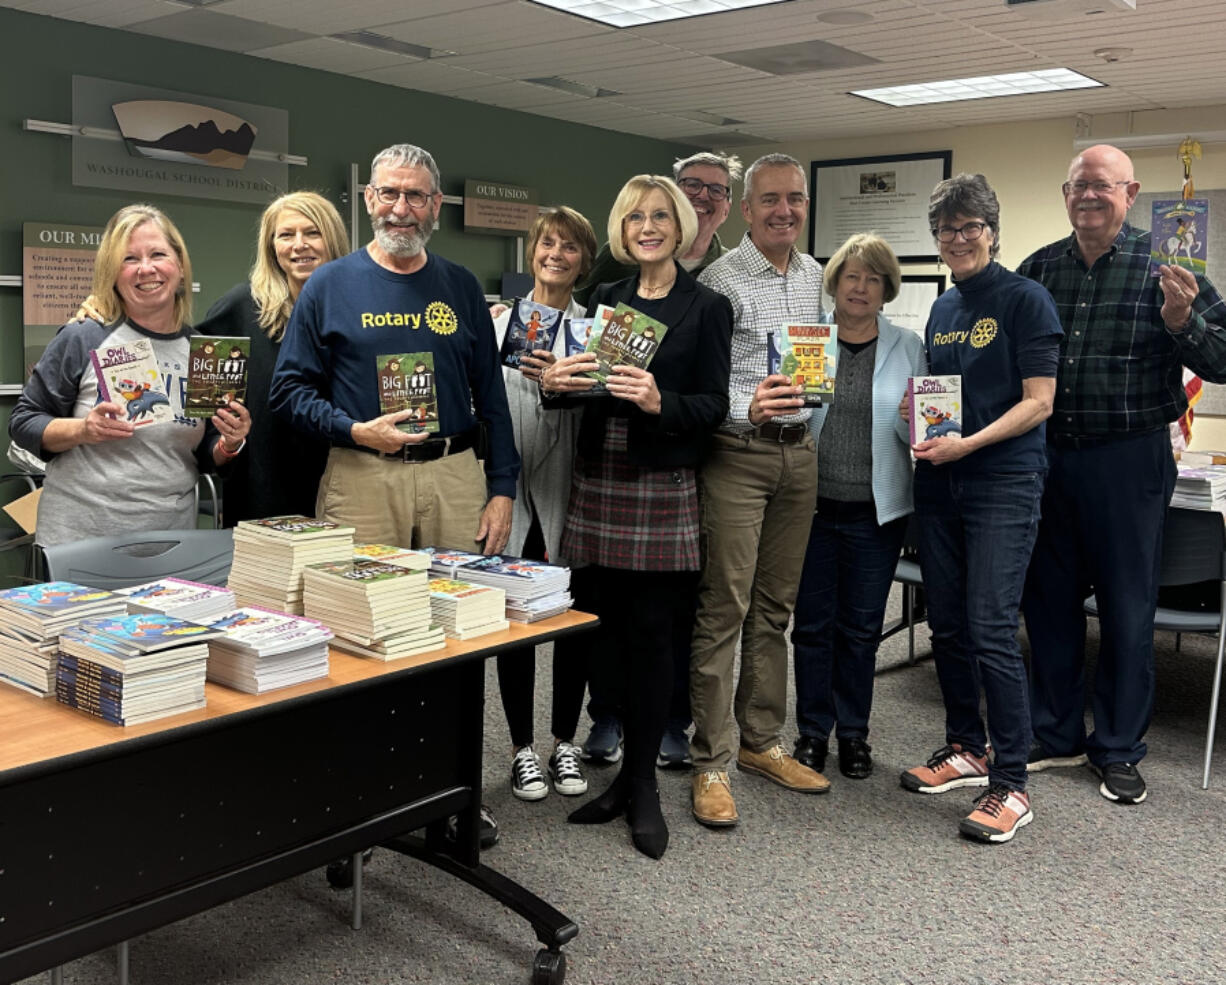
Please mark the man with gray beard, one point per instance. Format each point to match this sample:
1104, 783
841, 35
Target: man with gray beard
393, 298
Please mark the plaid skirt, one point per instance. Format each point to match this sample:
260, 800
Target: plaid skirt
624, 516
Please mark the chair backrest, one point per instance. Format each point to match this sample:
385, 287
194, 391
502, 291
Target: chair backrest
1193, 547
138, 557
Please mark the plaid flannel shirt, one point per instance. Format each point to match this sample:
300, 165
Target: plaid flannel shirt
1120, 367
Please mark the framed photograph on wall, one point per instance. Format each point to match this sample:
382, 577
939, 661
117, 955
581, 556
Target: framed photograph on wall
883, 195
915, 296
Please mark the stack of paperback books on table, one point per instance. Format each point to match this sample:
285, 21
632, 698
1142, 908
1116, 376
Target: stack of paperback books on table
465, 610
405, 557
189, 600
1201, 489
135, 668
31, 620
535, 590
269, 556
260, 650
375, 609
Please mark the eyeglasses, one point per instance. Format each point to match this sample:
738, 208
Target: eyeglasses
1097, 187
390, 196
660, 217
694, 186
970, 231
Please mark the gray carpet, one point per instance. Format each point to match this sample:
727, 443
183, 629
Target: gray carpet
868, 884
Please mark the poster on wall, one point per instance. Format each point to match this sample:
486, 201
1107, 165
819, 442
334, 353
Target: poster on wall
884, 195
915, 296
161, 142
496, 207
57, 270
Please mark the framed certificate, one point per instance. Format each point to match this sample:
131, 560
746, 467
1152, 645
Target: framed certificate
883, 195
915, 296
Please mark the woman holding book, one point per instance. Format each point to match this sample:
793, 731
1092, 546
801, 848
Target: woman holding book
110, 467
863, 499
977, 504
560, 249
279, 475
632, 521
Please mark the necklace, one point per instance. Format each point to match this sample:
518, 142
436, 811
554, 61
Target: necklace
654, 293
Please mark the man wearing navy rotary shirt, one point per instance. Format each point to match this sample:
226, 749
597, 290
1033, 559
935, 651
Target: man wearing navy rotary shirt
389, 298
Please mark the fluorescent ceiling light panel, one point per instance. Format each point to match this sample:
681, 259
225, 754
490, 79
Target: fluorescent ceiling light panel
370, 39
574, 88
982, 87
634, 13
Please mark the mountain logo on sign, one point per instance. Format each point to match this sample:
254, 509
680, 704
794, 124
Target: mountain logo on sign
184, 132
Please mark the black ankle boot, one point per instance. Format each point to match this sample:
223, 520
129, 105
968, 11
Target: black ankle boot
648, 830
610, 804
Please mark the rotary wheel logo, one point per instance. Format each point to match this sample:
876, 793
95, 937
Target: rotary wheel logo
441, 318
983, 332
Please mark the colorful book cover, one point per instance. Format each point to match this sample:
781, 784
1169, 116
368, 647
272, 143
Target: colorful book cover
362, 571
936, 407
809, 355
216, 373
532, 326
129, 375
406, 382
628, 338
146, 631
578, 334
294, 526
496, 564
405, 557
448, 588
54, 597
1179, 234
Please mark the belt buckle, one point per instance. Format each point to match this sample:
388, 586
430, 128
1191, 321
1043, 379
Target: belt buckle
446, 446
781, 432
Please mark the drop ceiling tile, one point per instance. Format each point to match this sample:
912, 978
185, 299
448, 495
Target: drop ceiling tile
215, 30
332, 55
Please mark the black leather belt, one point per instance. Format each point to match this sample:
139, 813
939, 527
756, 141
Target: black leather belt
1081, 441
784, 434
429, 450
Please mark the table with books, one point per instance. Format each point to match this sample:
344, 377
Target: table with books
107, 832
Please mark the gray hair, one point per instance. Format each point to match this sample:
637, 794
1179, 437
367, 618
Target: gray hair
406, 156
772, 161
969, 195
730, 164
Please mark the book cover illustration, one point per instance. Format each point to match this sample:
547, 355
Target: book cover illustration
809, 355
54, 596
216, 373
936, 407
495, 564
532, 326
295, 525
1179, 234
406, 382
128, 374
362, 571
628, 338
146, 631
578, 334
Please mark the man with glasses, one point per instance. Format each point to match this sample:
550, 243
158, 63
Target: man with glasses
706, 178
1127, 336
758, 490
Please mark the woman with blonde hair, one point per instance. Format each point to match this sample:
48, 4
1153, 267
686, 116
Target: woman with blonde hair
107, 472
299, 233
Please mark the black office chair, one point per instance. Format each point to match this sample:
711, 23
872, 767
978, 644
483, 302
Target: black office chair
907, 573
1193, 551
135, 558
12, 537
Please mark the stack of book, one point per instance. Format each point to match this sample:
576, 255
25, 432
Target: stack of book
188, 600
269, 556
1201, 489
465, 610
375, 609
260, 650
535, 589
405, 557
31, 620
132, 669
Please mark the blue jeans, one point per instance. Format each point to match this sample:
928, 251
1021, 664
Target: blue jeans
849, 567
976, 532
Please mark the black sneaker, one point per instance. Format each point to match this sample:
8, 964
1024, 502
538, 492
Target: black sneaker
1122, 783
487, 831
1040, 759
527, 777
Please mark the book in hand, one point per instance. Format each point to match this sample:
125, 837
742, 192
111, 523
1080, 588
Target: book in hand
406, 382
579, 333
129, 375
809, 355
936, 407
628, 338
1179, 234
532, 326
216, 373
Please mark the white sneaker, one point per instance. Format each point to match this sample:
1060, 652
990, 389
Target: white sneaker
527, 778
564, 768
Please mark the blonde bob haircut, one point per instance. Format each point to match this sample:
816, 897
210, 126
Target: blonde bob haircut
114, 247
269, 283
872, 251
569, 224
633, 192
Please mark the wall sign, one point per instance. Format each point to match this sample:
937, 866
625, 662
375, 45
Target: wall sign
494, 207
57, 272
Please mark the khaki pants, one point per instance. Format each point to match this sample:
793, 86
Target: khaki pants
756, 503
405, 504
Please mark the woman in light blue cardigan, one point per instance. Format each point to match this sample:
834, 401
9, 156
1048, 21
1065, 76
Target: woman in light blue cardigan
863, 498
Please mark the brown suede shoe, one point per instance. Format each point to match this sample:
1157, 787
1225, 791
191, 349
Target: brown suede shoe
775, 764
713, 803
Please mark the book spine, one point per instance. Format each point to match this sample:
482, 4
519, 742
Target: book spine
89, 669
104, 392
110, 711
911, 404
